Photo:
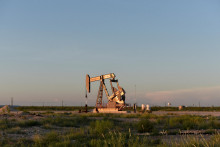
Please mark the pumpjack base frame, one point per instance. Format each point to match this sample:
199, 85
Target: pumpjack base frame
108, 110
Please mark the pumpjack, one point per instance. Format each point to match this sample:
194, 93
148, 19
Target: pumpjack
115, 100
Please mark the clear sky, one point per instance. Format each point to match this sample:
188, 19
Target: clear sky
169, 49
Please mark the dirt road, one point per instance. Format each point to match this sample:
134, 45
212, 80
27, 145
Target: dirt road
202, 113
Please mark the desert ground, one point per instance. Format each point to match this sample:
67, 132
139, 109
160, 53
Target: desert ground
28, 126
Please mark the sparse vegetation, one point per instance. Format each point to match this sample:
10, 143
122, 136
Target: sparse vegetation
51, 108
28, 123
144, 125
101, 126
87, 129
77, 108
159, 108
66, 121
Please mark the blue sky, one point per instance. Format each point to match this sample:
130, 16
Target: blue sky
169, 49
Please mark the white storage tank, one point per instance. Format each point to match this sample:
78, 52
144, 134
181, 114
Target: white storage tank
148, 107
143, 107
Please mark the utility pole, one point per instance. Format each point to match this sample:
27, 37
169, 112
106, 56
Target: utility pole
135, 94
62, 103
12, 101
